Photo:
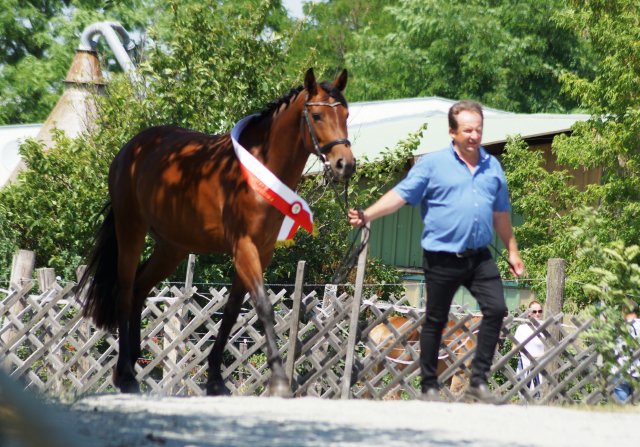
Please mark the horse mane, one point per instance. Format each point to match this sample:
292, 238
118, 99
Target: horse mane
292, 94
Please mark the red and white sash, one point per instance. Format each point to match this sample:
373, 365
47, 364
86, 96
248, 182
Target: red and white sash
296, 211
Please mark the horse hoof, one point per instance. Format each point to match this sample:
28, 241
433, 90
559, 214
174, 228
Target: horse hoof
217, 389
128, 387
280, 389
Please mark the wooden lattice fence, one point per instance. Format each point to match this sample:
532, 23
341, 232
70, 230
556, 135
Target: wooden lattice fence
323, 337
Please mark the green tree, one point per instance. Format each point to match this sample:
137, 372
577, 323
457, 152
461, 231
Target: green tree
506, 54
611, 139
36, 48
215, 67
329, 32
614, 291
608, 141
221, 62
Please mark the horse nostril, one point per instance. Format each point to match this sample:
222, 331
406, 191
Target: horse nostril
340, 165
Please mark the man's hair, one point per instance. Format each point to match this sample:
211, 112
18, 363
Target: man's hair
460, 106
534, 302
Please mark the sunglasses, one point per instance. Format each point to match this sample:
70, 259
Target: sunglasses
536, 311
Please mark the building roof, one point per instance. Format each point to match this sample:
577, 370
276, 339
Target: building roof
10, 139
376, 125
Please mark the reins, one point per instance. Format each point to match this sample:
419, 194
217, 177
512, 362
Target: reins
353, 252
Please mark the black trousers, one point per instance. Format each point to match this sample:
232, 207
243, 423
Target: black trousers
444, 274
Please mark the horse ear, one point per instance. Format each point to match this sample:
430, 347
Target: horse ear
341, 81
310, 83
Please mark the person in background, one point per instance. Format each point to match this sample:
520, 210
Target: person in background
624, 388
463, 193
534, 348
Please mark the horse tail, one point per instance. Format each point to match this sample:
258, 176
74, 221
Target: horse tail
98, 286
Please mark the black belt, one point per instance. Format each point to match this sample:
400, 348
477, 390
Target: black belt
463, 254
470, 252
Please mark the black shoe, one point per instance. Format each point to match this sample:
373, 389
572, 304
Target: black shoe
430, 395
481, 393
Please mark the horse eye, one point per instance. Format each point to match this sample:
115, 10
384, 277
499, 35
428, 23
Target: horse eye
316, 116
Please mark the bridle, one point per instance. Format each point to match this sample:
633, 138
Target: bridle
351, 256
321, 151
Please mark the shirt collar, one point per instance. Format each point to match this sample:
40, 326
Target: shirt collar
484, 155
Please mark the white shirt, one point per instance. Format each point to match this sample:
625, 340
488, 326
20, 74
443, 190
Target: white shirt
623, 359
535, 347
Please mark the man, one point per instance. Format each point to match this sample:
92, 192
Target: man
463, 193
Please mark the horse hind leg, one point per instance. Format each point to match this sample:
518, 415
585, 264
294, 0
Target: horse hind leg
215, 382
129, 249
163, 261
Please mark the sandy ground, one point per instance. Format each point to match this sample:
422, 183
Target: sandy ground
118, 420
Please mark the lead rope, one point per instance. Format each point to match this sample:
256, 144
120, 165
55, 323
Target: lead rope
350, 258
502, 256
353, 252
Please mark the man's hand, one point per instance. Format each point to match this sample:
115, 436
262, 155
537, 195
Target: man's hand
357, 218
516, 266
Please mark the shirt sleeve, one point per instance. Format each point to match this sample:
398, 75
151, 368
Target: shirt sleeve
501, 202
413, 187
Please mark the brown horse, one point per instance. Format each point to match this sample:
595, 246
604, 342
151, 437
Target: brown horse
187, 190
456, 342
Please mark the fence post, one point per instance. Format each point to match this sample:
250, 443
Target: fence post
292, 350
21, 271
46, 278
353, 323
191, 266
22, 267
555, 289
174, 325
553, 306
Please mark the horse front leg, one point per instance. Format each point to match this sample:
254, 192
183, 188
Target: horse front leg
278, 384
248, 263
215, 382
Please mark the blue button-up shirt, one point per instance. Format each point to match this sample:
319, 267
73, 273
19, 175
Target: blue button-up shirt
457, 206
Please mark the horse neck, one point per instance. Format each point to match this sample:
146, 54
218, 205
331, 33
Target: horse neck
281, 148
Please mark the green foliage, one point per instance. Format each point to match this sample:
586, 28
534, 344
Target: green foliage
550, 205
188, 80
221, 62
503, 55
325, 249
330, 29
614, 290
49, 210
611, 139
609, 142
36, 42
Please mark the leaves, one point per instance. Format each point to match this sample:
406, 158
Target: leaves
504, 56
37, 42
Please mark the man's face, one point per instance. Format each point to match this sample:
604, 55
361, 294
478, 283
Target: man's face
468, 136
536, 311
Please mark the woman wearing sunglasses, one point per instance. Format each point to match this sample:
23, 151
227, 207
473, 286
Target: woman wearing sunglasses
533, 349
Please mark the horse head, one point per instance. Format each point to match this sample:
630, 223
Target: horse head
325, 114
